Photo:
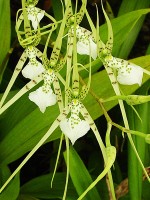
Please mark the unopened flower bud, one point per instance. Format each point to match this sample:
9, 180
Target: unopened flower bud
137, 99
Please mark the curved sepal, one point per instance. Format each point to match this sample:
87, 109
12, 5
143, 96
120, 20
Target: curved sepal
111, 156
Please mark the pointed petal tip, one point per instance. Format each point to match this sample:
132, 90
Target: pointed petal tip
32, 70
42, 99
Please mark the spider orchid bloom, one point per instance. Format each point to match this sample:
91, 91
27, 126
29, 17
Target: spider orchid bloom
73, 127
85, 44
44, 96
34, 67
35, 15
128, 73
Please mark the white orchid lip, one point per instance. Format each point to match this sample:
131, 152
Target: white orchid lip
133, 76
87, 47
42, 98
128, 73
85, 44
33, 69
73, 127
35, 15
75, 133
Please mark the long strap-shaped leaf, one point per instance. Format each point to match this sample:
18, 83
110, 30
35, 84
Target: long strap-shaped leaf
39, 144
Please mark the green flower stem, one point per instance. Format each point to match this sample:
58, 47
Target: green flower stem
123, 129
99, 102
43, 28
32, 37
50, 17
113, 98
67, 174
109, 121
107, 137
58, 155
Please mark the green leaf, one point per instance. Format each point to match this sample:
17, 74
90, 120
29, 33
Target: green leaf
80, 175
135, 176
57, 9
146, 193
4, 33
12, 190
26, 197
40, 187
122, 30
26, 128
128, 6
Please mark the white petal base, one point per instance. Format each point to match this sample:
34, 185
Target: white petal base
35, 15
87, 48
129, 78
31, 71
74, 133
42, 99
128, 73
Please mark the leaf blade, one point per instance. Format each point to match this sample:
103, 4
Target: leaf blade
80, 175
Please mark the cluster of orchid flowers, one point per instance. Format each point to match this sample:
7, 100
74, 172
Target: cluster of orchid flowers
79, 41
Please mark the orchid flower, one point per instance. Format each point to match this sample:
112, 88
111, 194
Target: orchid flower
33, 70
35, 15
31, 13
127, 73
73, 127
85, 43
34, 67
44, 96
